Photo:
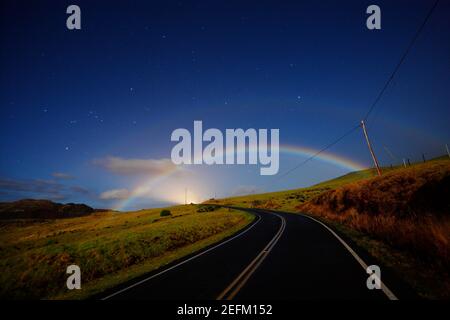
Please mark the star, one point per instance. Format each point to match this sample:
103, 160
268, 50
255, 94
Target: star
67, 148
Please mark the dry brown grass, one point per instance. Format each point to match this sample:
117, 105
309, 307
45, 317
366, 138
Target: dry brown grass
408, 209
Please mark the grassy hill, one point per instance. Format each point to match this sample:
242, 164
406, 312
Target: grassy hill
402, 218
288, 200
109, 247
407, 211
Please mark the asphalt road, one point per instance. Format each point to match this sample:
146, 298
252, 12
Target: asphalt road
280, 256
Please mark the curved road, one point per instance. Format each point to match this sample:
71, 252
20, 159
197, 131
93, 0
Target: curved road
279, 256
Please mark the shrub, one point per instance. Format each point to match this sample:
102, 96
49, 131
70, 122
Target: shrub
256, 203
206, 208
165, 213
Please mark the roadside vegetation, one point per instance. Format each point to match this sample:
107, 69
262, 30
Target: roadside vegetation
401, 218
109, 247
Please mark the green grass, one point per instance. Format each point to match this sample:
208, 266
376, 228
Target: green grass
112, 247
415, 246
288, 200
109, 247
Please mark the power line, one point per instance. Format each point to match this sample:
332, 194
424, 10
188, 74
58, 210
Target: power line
402, 59
317, 153
378, 98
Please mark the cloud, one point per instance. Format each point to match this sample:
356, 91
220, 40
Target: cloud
154, 167
47, 189
80, 190
115, 194
62, 175
35, 186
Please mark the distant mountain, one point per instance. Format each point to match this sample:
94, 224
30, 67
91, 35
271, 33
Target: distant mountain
42, 209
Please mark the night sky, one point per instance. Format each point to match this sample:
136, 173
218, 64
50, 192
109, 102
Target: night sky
86, 115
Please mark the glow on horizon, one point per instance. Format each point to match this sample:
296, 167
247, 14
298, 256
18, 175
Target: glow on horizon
145, 189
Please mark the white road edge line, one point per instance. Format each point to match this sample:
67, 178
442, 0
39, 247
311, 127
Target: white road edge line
184, 261
384, 288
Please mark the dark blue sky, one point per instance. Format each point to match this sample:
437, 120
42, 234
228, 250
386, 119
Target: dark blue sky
71, 100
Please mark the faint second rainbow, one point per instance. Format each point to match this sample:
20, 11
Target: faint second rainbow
331, 158
145, 188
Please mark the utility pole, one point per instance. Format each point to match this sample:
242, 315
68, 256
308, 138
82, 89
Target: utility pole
375, 161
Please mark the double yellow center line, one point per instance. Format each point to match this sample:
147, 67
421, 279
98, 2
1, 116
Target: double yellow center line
230, 292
